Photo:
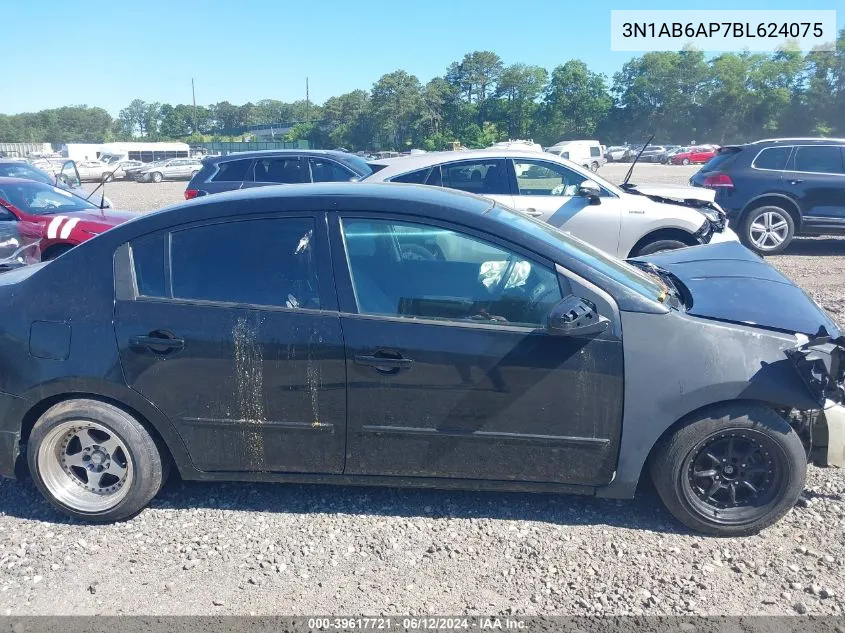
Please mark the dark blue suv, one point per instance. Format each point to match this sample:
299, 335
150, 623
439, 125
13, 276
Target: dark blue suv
245, 170
776, 189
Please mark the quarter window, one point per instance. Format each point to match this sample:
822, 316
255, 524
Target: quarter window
5, 215
485, 177
773, 158
419, 271
541, 178
232, 171
820, 159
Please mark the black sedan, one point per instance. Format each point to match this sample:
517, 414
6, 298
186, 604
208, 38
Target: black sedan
413, 336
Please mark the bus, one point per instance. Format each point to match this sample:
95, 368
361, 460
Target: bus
113, 153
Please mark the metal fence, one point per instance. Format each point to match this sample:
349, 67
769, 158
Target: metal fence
219, 147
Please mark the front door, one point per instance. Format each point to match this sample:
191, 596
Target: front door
450, 370
546, 190
231, 330
815, 176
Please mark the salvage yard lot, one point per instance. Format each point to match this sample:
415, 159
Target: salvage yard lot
266, 549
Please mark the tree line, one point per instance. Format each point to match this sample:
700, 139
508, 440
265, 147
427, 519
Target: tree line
679, 97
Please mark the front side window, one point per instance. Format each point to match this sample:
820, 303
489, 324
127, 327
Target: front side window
482, 177
541, 178
323, 170
419, 271
232, 171
279, 170
773, 158
819, 159
596, 151
260, 262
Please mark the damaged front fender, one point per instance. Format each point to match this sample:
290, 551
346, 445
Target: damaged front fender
820, 362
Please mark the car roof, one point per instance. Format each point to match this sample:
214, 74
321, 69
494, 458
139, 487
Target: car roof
404, 164
811, 140
264, 153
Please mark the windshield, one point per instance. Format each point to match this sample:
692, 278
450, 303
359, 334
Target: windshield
28, 172
359, 165
39, 199
649, 286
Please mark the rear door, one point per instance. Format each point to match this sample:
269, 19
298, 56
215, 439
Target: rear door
546, 190
815, 177
231, 329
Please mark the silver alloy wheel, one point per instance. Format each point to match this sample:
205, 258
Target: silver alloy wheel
85, 466
768, 230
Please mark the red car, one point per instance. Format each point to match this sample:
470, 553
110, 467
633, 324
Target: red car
59, 219
694, 155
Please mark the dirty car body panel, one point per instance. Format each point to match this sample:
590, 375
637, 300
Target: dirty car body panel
313, 387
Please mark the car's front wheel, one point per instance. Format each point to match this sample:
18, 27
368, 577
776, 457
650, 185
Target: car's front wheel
731, 472
594, 167
686, 161
94, 461
768, 230
155, 176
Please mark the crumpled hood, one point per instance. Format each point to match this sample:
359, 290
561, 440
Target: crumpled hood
677, 192
730, 283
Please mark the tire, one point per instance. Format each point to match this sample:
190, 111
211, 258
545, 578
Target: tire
156, 176
767, 230
658, 246
714, 443
78, 437
594, 167
55, 251
685, 161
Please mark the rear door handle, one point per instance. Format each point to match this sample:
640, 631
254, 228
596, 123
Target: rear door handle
533, 212
795, 181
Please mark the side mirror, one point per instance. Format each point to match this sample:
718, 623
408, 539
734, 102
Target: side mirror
589, 189
574, 316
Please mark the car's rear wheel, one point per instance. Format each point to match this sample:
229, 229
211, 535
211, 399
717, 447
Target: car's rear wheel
155, 176
94, 461
768, 229
731, 472
659, 246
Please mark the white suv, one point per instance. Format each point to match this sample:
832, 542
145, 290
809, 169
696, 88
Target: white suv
624, 222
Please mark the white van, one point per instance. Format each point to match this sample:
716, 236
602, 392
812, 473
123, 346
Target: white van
588, 154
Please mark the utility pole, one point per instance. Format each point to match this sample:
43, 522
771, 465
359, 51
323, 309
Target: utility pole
307, 102
194, 97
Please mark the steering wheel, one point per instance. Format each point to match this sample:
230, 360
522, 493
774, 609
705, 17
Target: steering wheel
499, 290
419, 253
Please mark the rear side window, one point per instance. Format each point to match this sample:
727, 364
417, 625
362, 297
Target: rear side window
232, 171
773, 158
481, 177
722, 159
261, 262
149, 259
819, 159
415, 177
287, 170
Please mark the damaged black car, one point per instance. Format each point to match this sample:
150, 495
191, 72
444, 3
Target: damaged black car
403, 335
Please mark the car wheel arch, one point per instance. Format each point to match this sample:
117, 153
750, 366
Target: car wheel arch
165, 435
669, 233
782, 200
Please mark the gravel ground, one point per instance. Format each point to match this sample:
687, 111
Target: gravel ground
270, 549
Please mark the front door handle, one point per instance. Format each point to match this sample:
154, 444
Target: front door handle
795, 181
533, 212
384, 363
158, 343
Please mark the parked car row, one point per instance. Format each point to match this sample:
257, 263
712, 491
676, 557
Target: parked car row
665, 154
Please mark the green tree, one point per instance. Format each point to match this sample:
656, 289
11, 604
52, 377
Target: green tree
397, 103
518, 89
575, 102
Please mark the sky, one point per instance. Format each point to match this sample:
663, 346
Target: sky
108, 53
